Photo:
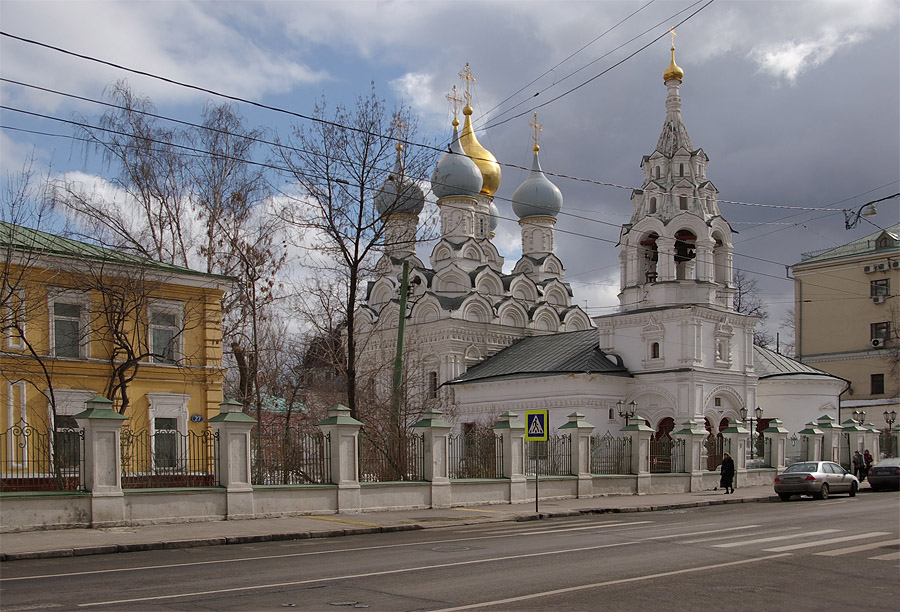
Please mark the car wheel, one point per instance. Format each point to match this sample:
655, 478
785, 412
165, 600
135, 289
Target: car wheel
853, 487
823, 494
785, 496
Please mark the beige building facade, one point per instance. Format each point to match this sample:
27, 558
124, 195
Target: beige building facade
847, 320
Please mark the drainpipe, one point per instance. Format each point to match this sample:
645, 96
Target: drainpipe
798, 326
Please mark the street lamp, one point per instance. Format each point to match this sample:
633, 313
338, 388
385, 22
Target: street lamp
758, 412
859, 416
851, 218
626, 410
890, 418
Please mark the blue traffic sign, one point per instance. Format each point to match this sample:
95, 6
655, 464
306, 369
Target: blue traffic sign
537, 425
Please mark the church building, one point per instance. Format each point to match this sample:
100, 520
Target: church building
675, 351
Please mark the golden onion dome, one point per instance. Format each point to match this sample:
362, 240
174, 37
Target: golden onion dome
673, 71
484, 159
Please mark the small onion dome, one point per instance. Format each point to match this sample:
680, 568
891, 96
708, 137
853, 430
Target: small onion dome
495, 216
484, 159
399, 195
456, 174
673, 71
537, 196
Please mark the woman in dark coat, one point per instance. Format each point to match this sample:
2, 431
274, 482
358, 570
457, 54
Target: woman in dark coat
727, 474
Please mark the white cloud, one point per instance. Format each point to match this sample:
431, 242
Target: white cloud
789, 59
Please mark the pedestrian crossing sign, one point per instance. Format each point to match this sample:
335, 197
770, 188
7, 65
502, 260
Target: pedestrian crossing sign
537, 425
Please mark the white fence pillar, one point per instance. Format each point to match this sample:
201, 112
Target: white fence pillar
811, 439
437, 456
640, 434
233, 464
831, 438
103, 461
343, 430
580, 430
777, 447
512, 431
736, 439
694, 437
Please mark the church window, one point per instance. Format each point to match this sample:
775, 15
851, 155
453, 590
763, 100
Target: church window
718, 402
611, 414
432, 384
652, 205
680, 169
683, 202
481, 227
657, 172
654, 350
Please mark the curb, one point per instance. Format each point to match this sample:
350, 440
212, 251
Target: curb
332, 533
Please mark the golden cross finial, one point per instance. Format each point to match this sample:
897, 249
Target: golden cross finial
400, 126
672, 32
537, 130
466, 73
453, 97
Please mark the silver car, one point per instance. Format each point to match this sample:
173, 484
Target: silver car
816, 478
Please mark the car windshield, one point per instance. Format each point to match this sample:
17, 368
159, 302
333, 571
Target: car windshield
803, 467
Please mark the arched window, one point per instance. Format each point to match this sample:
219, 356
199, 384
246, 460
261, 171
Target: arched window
611, 414
654, 350
652, 205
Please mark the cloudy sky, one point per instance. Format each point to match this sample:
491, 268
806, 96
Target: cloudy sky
797, 103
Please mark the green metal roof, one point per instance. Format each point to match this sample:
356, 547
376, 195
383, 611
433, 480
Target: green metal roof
767, 364
861, 246
565, 353
29, 240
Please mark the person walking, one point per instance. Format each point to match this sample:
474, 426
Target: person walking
727, 479
859, 466
868, 460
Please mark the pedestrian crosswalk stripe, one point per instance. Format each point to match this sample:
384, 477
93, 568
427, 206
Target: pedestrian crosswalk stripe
861, 536
888, 557
861, 547
776, 538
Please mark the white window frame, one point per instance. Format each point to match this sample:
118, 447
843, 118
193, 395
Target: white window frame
82, 299
166, 406
13, 340
167, 307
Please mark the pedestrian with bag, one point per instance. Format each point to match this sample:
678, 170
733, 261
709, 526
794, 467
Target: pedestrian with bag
727, 478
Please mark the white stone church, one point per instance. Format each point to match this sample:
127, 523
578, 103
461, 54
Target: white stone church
480, 342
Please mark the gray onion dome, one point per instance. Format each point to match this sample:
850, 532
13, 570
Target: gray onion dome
456, 174
537, 196
399, 195
495, 216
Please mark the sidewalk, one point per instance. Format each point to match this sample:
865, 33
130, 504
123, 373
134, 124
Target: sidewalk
77, 542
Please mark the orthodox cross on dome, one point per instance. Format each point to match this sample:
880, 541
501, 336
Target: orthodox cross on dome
453, 97
538, 128
466, 73
672, 32
400, 127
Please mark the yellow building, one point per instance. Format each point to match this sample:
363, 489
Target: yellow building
80, 320
847, 320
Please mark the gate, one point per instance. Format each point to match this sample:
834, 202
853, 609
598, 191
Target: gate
666, 455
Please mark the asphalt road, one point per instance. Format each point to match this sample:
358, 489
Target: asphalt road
802, 555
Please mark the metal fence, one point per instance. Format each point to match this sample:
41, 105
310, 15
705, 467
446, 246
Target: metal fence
666, 455
886, 442
610, 455
289, 456
168, 458
35, 460
477, 454
391, 460
715, 451
550, 458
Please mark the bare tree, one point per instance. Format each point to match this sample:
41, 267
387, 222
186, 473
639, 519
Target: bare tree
339, 163
747, 301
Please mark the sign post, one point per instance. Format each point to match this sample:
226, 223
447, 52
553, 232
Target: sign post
537, 427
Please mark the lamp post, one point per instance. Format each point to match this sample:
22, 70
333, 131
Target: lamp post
626, 410
890, 418
859, 416
744, 414
851, 218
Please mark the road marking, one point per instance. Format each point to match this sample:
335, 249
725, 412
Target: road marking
481, 510
405, 570
861, 547
596, 585
595, 526
337, 520
861, 536
789, 536
308, 553
888, 557
693, 533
